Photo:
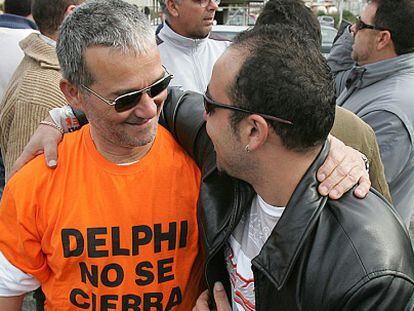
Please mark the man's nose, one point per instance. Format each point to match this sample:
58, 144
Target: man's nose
146, 108
212, 5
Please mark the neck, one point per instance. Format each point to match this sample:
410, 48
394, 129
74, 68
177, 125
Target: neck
384, 55
281, 174
53, 36
118, 154
180, 30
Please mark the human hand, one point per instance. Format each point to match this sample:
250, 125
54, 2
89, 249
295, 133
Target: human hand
220, 298
44, 140
343, 168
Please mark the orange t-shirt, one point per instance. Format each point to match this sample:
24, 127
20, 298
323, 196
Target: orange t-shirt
100, 236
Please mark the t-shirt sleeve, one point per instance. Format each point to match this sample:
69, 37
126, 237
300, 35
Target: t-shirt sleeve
20, 241
13, 281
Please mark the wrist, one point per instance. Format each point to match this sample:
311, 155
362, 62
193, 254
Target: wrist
64, 118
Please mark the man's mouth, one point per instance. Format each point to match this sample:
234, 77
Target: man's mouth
139, 122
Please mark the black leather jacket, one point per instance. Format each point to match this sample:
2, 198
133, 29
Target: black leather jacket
348, 254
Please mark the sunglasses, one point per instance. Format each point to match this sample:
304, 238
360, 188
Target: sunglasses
129, 100
210, 105
359, 25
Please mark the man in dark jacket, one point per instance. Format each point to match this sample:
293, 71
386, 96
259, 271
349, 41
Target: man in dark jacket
275, 243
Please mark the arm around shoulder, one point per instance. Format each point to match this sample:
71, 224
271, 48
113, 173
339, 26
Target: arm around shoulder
182, 115
357, 134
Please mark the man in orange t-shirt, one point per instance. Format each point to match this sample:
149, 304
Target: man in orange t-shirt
115, 225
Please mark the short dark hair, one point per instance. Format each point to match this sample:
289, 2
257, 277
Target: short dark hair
398, 17
49, 14
285, 75
291, 12
18, 7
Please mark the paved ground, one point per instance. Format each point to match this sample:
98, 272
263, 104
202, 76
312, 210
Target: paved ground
29, 304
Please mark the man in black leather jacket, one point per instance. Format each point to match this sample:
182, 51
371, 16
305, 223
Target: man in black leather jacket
349, 254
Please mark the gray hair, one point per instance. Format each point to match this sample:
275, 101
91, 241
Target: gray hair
108, 23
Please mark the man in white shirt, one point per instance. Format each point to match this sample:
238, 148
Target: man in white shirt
184, 44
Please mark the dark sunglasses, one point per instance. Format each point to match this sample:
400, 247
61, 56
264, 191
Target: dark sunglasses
359, 25
210, 105
129, 100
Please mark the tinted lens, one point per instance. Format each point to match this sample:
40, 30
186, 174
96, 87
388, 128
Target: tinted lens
160, 86
127, 102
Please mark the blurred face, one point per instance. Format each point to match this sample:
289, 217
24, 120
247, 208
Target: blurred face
228, 145
193, 20
116, 74
365, 39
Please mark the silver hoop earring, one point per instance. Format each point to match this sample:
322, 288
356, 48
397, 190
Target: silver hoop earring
247, 148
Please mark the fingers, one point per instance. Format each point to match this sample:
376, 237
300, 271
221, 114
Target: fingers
220, 297
363, 188
45, 139
340, 186
335, 156
202, 302
51, 155
343, 169
328, 168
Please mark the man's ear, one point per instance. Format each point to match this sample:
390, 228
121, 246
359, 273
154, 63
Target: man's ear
257, 130
70, 9
172, 7
72, 94
384, 40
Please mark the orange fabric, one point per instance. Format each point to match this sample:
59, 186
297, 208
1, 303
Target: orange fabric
100, 236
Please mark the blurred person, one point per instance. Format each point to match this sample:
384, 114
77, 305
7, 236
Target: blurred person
114, 226
291, 12
17, 15
295, 13
15, 24
284, 246
34, 87
379, 88
184, 44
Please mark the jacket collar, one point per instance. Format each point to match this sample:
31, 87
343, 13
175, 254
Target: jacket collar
36, 48
278, 255
167, 34
16, 22
363, 76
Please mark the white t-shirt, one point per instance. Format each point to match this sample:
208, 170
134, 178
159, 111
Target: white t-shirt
244, 244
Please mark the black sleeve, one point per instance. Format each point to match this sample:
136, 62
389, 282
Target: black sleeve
182, 115
80, 115
384, 293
